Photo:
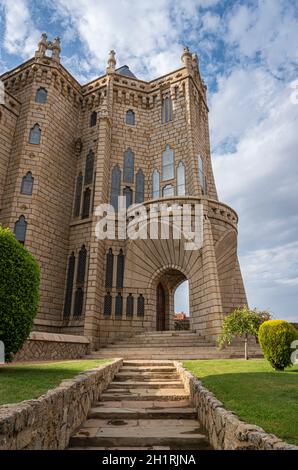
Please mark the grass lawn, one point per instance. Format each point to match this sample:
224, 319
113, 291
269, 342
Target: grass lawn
27, 381
255, 392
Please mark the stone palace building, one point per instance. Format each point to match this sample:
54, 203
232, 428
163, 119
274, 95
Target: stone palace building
66, 148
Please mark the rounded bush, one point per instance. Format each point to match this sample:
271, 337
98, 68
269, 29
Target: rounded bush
275, 337
19, 292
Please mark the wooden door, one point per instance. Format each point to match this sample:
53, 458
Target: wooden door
160, 308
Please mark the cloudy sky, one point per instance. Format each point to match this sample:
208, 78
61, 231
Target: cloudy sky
248, 57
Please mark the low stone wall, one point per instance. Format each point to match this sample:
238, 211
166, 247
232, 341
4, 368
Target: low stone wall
225, 430
49, 421
51, 346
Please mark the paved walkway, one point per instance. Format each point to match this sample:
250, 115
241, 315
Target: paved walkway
145, 407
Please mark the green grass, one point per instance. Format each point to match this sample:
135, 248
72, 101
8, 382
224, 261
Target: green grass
27, 381
255, 392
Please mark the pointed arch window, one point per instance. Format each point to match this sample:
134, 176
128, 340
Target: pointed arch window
93, 119
86, 203
128, 194
27, 184
69, 285
82, 265
109, 268
107, 308
166, 109
129, 305
168, 190
35, 134
89, 165
41, 96
120, 270
116, 182
168, 164
181, 179
140, 186
79, 301
128, 166
141, 306
130, 117
155, 184
119, 305
78, 195
20, 229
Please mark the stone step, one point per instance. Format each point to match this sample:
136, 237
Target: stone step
114, 394
148, 369
131, 385
145, 376
106, 412
159, 344
154, 363
140, 433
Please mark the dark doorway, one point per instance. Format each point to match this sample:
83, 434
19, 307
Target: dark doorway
160, 308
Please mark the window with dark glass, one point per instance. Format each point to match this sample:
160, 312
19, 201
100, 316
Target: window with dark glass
89, 165
109, 268
78, 195
107, 308
86, 203
155, 184
129, 305
69, 285
168, 164
20, 229
120, 270
93, 119
140, 186
27, 184
181, 179
115, 190
128, 166
127, 193
119, 305
82, 265
141, 306
130, 117
34, 136
78, 304
41, 96
166, 109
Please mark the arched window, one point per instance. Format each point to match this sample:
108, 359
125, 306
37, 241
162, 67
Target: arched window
166, 109
120, 270
109, 268
78, 195
119, 305
20, 229
168, 164
128, 166
107, 308
140, 186
89, 168
27, 184
93, 119
130, 117
155, 184
41, 96
34, 136
79, 300
69, 285
115, 191
141, 306
82, 265
127, 193
181, 179
168, 190
86, 203
129, 305
201, 173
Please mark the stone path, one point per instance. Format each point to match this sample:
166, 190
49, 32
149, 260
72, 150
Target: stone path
145, 407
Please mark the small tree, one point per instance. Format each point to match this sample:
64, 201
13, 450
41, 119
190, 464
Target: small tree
241, 323
19, 292
276, 337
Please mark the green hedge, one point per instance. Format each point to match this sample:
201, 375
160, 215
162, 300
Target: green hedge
275, 337
19, 292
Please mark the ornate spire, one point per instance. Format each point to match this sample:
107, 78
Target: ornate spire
111, 62
45, 45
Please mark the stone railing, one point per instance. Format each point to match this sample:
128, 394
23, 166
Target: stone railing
226, 431
48, 422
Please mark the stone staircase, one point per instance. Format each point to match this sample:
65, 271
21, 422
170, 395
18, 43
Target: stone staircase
144, 407
172, 345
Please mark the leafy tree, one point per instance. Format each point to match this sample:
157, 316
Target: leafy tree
276, 338
242, 322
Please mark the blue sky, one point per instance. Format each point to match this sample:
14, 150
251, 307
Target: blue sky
248, 57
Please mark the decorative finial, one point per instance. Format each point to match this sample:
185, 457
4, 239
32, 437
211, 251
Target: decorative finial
186, 57
111, 62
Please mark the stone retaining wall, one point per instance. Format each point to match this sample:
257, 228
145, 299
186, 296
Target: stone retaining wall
225, 430
49, 421
42, 346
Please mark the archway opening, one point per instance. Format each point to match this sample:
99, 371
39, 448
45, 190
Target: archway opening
181, 307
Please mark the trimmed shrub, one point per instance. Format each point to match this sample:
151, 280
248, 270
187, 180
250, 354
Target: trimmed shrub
19, 292
275, 337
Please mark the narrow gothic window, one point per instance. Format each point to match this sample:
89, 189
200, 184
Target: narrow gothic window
115, 191
181, 179
78, 195
34, 136
141, 306
20, 229
41, 96
168, 164
107, 308
201, 172
89, 168
168, 190
166, 109
120, 270
109, 268
27, 184
82, 265
86, 203
127, 193
128, 166
130, 117
129, 305
155, 184
119, 305
69, 285
93, 119
78, 305
140, 184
